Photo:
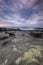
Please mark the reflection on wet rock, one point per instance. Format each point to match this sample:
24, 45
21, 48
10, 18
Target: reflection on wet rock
31, 56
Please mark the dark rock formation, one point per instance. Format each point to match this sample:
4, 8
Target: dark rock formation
36, 34
12, 34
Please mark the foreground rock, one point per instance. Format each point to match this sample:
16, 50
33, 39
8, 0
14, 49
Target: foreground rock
19, 48
10, 55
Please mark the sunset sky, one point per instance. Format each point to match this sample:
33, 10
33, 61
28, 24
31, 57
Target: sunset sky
21, 13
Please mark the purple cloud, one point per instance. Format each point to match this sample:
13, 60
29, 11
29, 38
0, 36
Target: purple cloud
21, 13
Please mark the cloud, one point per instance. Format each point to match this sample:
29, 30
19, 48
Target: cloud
34, 21
21, 12
28, 3
15, 23
39, 7
16, 4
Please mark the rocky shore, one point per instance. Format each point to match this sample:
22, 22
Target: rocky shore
21, 47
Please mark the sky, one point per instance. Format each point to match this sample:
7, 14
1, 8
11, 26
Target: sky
21, 13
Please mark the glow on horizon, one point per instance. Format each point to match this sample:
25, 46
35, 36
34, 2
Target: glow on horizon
3, 25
